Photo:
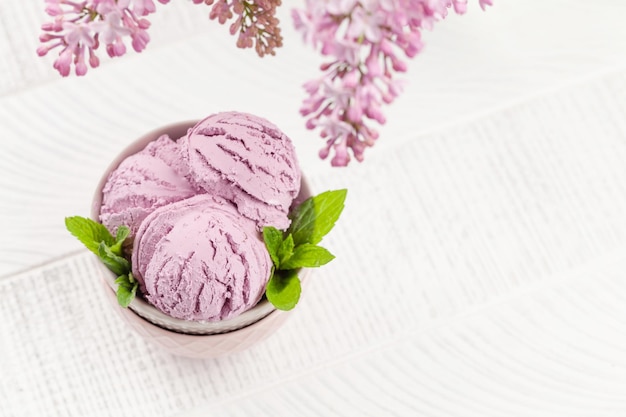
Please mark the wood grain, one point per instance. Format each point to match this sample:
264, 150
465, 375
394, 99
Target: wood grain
457, 289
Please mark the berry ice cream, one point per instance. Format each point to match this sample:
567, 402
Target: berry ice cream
199, 259
196, 208
142, 183
246, 160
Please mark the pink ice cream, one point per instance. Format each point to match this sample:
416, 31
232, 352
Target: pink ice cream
195, 208
144, 182
246, 160
200, 259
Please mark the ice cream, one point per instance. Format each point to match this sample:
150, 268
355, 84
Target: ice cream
247, 160
143, 182
196, 208
199, 259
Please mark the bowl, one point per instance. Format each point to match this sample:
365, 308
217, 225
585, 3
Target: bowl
183, 337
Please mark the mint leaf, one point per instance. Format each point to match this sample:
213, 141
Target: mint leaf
122, 234
126, 290
273, 239
115, 263
302, 221
97, 239
316, 216
310, 222
126, 295
308, 256
285, 250
89, 232
283, 290
122, 280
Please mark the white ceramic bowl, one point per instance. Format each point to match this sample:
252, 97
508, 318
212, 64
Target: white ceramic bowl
182, 337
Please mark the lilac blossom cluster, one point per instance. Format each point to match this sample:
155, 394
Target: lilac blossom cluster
365, 41
256, 24
80, 27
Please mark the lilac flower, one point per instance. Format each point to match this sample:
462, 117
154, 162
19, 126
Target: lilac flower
80, 27
485, 3
365, 42
255, 22
143, 7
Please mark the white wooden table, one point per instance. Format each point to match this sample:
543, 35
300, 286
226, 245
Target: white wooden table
480, 260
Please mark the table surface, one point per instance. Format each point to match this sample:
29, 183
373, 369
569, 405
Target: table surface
479, 259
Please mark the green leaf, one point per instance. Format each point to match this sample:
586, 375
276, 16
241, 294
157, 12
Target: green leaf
122, 280
285, 250
273, 239
126, 289
308, 256
122, 234
316, 216
89, 232
115, 263
125, 294
283, 290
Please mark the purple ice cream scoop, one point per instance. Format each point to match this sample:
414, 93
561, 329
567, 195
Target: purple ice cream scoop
246, 160
143, 182
200, 259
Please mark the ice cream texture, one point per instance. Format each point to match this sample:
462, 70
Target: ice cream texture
199, 259
246, 160
142, 183
196, 207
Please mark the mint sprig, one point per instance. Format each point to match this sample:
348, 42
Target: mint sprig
89, 232
307, 256
285, 250
316, 216
273, 239
126, 289
297, 247
115, 263
283, 289
98, 240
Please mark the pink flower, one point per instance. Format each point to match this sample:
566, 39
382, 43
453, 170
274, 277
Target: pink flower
63, 62
77, 34
143, 7
110, 28
79, 28
255, 23
485, 3
366, 42
367, 24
